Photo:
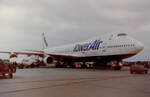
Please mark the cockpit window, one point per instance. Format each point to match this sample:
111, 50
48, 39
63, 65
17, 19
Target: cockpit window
122, 34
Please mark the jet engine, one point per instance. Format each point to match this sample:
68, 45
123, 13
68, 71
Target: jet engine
48, 60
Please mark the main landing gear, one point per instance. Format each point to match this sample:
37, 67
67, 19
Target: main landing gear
117, 68
84, 65
115, 65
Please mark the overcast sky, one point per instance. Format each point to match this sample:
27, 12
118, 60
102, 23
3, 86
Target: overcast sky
68, 21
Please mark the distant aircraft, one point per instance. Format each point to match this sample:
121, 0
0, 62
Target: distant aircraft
111, 47
26, 61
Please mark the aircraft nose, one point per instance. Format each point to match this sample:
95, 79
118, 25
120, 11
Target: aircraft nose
139, 46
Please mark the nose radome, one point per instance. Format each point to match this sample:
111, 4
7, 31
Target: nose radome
140, 46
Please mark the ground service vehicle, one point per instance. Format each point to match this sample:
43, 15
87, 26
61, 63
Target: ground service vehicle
8, 69
138, 69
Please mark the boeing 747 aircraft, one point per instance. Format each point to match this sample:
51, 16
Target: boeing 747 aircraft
103, 49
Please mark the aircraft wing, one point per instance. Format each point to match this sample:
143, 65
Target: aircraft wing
53, 55
38, 53
7, 52
24, 53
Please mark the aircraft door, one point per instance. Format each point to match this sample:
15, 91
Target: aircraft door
104, 49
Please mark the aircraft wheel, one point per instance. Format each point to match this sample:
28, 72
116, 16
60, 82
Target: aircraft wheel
146, 72
83, 66
72, 66
58, 66
10, 75
3, 74
117, 67
131, 72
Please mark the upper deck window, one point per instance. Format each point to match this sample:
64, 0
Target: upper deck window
122, 34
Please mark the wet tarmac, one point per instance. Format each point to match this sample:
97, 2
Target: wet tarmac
59, 82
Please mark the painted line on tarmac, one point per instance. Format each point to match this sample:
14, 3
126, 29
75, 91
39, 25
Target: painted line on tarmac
64, 84
67, 79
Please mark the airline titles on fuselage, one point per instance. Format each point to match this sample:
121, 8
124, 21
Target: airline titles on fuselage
88, 46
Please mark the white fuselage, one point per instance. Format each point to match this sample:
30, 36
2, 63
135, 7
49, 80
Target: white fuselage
108, 45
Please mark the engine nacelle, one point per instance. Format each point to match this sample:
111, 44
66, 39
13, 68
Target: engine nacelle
48, 60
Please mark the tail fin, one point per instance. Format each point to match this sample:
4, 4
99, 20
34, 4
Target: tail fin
44, 42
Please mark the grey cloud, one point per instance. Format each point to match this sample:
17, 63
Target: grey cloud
68, 21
